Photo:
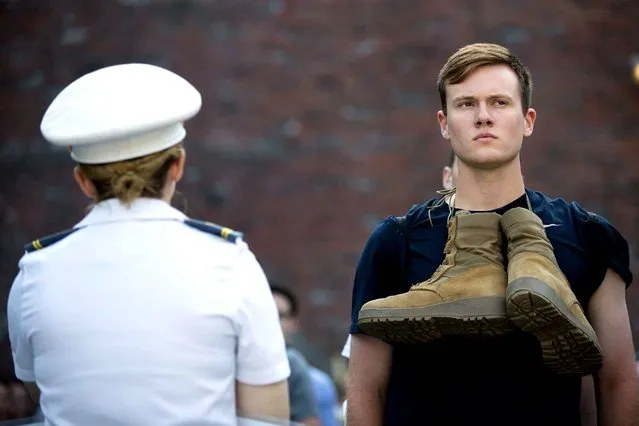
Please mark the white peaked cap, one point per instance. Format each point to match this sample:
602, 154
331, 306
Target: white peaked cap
121, 112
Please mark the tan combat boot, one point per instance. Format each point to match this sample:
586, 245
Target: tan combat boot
540, 301
465, 296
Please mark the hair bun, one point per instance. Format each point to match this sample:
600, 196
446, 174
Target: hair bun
128, 186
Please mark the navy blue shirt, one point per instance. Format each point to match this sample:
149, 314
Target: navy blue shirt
499, 381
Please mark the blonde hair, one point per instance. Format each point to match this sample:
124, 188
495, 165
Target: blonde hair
473, 56
130, 179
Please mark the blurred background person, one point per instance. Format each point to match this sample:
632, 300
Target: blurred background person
449, 172
312, 381
288, 305
301, 396
328, 407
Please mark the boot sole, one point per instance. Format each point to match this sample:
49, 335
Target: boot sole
476, 317
568, 347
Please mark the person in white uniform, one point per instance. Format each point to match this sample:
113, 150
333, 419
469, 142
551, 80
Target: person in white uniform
139, 315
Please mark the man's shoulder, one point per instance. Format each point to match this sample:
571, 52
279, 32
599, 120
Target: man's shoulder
432, 212
594, 230
555, 210
598, 236
556, 207
394, 228
539, 200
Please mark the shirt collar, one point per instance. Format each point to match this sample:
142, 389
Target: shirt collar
112, 210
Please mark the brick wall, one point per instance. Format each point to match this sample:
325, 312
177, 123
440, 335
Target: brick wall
319, 116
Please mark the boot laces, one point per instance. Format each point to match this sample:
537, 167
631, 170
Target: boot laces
448, 196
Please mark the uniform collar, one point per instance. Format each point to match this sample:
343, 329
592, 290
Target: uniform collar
113, 210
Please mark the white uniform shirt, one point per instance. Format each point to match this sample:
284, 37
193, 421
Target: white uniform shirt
139, 319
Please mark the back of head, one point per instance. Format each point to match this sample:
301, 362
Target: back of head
287, 295
130, 179
123, 125
473, 56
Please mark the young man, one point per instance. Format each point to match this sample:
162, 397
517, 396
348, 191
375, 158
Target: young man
480, 297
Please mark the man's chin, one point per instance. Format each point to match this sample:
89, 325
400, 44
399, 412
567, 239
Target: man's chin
491, 162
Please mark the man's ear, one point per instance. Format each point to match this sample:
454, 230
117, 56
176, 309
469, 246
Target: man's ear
443, 124
530, 118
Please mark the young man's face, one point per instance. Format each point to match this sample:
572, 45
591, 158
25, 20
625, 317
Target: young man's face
485, 123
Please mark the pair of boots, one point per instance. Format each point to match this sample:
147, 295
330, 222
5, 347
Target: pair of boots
472, 294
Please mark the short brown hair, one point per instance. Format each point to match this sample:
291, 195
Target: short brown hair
473, 56
130, 179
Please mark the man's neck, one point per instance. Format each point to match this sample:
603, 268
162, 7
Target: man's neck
483, 190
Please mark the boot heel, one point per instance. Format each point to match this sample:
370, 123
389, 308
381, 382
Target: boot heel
567, 346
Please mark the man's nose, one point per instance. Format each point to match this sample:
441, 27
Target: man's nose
483, 117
